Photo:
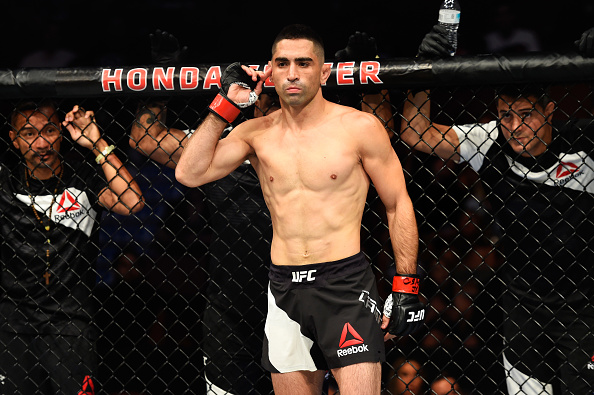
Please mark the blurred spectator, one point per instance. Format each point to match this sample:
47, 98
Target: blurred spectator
403, 376
445, 385
507, 36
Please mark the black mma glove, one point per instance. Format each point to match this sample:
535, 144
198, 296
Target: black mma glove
403, 307
360, 46
165, 49
585, 44
222, 106
435, 44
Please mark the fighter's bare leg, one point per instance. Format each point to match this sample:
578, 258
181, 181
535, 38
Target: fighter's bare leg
359, 379
298, 383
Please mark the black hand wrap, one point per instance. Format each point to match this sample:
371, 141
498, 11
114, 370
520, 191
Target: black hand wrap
435, 44
222, 106
585, 44
407, 313
165, 49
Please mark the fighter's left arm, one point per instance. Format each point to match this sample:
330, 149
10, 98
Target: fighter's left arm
381, 163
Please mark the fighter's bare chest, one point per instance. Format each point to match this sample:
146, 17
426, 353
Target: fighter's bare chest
312, 165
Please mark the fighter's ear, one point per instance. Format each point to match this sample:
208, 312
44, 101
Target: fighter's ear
270, 66
326, 70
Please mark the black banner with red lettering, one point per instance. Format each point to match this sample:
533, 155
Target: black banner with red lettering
204, 79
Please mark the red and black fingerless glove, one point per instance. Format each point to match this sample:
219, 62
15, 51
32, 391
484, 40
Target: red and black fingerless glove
403, 306
222, 106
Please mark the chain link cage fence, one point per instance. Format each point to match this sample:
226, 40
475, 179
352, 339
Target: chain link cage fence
180, 287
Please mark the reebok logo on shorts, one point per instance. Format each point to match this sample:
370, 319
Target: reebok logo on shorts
354, 337
350, 342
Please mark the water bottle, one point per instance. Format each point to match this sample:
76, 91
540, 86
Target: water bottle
449, 16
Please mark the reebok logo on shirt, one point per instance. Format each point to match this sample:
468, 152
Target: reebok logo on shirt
573, 171
566, 172
68, 208
67, 203
71, 209
350, 342
566, 168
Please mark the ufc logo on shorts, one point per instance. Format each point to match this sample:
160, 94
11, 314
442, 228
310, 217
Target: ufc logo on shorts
414, 317
370, 304
307, 275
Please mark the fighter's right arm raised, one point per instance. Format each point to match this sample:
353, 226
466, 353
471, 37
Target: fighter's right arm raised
207, 157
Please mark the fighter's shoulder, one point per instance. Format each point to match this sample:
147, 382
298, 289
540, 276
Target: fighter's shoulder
252, 128
355, 117
259, 124
360, 124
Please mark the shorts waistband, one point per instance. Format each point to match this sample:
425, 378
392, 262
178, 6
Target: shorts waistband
307, 273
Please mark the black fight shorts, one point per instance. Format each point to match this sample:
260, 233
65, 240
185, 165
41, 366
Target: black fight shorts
322, 316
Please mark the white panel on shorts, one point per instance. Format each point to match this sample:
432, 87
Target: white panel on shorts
288, 348
519, 383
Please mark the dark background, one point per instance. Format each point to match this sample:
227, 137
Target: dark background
108, 33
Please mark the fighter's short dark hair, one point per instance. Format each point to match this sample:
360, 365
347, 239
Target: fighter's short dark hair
299, 31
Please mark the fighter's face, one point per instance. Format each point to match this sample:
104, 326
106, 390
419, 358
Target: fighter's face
525, 124
38, 137
298, 71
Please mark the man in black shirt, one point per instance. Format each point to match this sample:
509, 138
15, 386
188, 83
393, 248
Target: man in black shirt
49, 212
539, 177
